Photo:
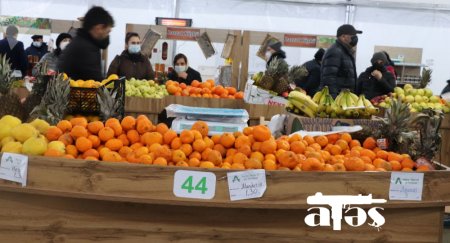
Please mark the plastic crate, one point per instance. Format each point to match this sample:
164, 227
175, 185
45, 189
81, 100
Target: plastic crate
83, 101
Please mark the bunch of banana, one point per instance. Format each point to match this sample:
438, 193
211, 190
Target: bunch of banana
348, 103
318, 96
299, 102
327, 107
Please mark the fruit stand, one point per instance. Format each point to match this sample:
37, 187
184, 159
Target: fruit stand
444, 154
76, 200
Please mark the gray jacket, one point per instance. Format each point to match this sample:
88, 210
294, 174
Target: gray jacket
52, 63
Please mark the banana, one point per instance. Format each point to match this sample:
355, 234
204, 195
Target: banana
304, 99
360, 102
353, 96
349, 99
317, 97
305, 109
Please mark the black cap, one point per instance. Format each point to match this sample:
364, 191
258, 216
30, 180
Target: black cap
319, 54
347, 29
34, 37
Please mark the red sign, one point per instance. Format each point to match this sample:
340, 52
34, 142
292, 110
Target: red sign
300, 40
182, 34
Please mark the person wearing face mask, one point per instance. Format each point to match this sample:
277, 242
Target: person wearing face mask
14, 50
38, 48
131, 63
182, 72
51, 58
274, 51
338, 69
82, 58
376, 80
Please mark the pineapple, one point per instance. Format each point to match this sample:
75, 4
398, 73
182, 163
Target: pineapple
428, 140
297, 73
283, 85
10, 102
53, 105
111, 103
426, 77
38, 91
276, 69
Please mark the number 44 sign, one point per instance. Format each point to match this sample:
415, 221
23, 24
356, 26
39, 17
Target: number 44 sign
194, 184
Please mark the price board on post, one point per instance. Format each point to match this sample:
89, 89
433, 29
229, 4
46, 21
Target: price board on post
194, 184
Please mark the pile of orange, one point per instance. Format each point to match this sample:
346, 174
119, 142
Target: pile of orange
203, 89
137, 140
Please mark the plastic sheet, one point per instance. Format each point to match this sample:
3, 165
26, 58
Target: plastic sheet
208, 114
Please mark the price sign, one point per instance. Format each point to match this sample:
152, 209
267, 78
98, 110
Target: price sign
14, 167
194, 184
406, 186
246, 184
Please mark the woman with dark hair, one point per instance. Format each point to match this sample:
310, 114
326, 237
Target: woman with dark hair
51, 58
182, 72
390, 66
131, 63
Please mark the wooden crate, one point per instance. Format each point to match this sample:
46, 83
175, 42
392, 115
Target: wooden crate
79, 201
255, 112
444, 153
135, 106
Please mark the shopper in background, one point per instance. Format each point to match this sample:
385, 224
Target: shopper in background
446, 88
82, 58
182, 72
131, 63
376, 80
14, 50
338, 64
51, 58
274, 51
390, 66
312, 82
38, 48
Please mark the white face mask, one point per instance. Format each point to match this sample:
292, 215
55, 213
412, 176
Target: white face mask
268, 55
134, 49
180, 69
63, 45
37, 44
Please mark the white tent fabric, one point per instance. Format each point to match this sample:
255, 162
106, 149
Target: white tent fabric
427, 29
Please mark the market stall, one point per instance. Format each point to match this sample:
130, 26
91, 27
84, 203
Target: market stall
73, 200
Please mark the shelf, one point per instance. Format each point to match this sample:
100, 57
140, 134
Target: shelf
405, 64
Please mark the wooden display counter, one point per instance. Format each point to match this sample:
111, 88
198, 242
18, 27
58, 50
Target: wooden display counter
204, 102
135, 106
444, 154
255, 112
80, 201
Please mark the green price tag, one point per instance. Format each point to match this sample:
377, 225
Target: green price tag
194, 184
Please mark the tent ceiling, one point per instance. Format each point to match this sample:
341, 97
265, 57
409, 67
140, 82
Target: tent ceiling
415, 4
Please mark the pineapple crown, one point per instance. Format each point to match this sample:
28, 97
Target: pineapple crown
278, 67
297, 73
5, 75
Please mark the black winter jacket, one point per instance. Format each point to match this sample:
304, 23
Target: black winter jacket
279, 54
35, 51
82, 58
192, 75
312, 82
370, 87
338, 69
447, 88
16, 56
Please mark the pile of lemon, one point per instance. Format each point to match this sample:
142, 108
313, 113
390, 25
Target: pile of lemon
92, 83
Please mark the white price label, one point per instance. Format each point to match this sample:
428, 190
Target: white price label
194, 184
14, 167
406, 186
246, 184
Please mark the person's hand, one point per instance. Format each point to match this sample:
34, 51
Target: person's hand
183, 75
377, 74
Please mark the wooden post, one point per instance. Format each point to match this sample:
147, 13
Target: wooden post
245, 51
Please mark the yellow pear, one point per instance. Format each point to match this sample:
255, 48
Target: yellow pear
35, 146
57, 145
6, 140
10, 120
12, 147
5, 130
23, 132
41, 125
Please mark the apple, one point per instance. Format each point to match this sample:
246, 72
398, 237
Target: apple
399, 90
434, 99
418, 98
421, 92
408, 87
428, 92
402, 97
409, 99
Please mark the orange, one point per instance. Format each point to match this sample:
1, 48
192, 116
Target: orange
215, 157
79, 121
382, 154
269, 165
68, 156
270, 157
216, 138
258, 156
339, 167
160, 161
248, 131
124, 151
268, 147
239, 158
227, 140
199, 145
53, 153
78, 132
312, 164
133, 136
72, 150
146, 159
152, 138
378, 162
261, 133
178, 156
209, 142
336, 150
64, 126
354, 143
91, 153
294, 138
394, 156
408, 163
141, 151
231, 152
383, 164
237, 166
194, 162
423, 168
310, 140
103, 151
256, 146
169, 136
354, 164
241, 141
342, 143
164, 152
370, 143
346, 137
298, 147
187, 136
106, 134
162, 128
207, 165
153, 149
368, 153
128, 123
143, 125
221, 149
322, 141
83, 144
396, 166
182, 164
253, 164
366, 159
135, 146
124, 139
328, 168
369, 167
239, 95
195, 155
380, 169
187, 149
206, 153
176, 143
316, 147
115, 125
202, 127
283, 144
94, 127
332, 138
114, 144
288, 159
95, 141
245, 150
228, 160
407, 169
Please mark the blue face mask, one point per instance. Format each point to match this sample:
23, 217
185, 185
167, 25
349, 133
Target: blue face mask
134, 49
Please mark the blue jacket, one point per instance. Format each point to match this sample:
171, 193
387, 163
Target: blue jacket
16, 56
34, 51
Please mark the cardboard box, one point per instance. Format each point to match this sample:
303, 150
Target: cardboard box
297, 123
255, 95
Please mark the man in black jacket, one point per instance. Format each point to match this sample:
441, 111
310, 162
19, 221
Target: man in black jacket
338, 64
312, 82
38, 47
274, 51
376, 80
82, 57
